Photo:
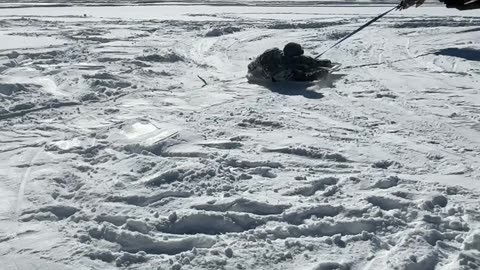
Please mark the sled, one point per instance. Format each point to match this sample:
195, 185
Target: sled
261, 80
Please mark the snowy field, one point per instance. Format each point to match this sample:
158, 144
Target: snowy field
115, 155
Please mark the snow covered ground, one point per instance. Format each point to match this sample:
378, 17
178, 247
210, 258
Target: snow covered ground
115, 155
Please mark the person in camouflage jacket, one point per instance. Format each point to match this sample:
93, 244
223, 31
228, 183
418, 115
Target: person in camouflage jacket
288, 65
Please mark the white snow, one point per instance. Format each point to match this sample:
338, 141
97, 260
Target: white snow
116, 155
12, 41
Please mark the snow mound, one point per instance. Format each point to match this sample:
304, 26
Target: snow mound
169, 57
472, 242
331, 266
145, 200
11, 89
137, 242
304, 25
310, 151
210, 223
216, 32
243, 205
438, 22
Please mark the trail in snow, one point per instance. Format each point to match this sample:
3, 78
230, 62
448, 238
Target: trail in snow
117, 156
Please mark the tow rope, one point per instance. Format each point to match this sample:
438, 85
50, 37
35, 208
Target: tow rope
358, 30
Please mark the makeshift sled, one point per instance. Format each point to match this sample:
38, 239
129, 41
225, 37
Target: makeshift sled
259, 78
275, 65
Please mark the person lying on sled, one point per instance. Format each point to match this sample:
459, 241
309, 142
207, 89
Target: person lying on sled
287, 65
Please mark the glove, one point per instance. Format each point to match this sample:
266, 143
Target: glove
462, 4
408, 3
458, 4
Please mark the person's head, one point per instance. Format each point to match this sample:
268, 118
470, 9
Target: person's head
292, 49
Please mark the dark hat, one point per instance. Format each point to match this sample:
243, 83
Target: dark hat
292, 49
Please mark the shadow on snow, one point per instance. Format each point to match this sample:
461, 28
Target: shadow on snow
465, 53
291, 88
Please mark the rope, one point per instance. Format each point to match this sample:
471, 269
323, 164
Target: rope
358, 30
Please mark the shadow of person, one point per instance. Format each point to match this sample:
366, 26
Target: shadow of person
291, 89
294, 88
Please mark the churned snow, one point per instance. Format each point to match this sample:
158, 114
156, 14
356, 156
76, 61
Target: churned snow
116, 154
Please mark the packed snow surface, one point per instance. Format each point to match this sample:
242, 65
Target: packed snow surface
131, 139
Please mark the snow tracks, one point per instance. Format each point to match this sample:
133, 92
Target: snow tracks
116, 156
